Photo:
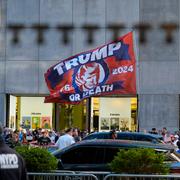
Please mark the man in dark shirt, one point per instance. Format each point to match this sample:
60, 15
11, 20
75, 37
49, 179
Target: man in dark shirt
153, 131
12, 166
44, 139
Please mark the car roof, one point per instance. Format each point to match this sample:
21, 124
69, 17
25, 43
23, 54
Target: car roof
128, 143
118, 143
130, 133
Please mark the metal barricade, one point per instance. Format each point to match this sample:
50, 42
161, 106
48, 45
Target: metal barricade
61, 176
64, 171
99, 174
85, 175
141, 177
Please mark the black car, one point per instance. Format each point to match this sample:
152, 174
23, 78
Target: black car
93, 155
136, 136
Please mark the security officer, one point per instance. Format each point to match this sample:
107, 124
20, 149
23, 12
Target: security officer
12, 166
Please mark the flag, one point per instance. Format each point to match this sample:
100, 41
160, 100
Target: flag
106, 70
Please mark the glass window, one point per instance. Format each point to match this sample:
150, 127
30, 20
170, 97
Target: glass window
113, 112
30, 113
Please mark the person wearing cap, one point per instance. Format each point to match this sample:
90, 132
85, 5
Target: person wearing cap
12, 165
175, 140
44, 139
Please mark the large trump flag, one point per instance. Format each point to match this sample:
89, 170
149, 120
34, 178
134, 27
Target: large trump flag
106, 70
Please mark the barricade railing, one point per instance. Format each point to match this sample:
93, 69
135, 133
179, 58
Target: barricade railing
141, 177
63, 171
99, 174
61, 176
85, 175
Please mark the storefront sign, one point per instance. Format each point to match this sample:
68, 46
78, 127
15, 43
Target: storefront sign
109, 69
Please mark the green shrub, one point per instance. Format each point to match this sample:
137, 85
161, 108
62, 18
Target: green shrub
139, 161
37, 159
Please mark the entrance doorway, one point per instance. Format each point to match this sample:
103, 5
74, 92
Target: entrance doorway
72, 115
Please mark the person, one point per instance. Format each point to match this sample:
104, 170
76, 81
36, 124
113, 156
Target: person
29, 136
153, 131
164, 133
178, 145
44, 139
176, 139
113, 134
52, 136
76, 135
35, 134
12, 165
58, 134
20, 135
66, 139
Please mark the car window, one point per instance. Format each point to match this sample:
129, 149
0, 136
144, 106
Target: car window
125, 136
83, 155
91, 136
170, 157
103, 136
143, 138
110, 153
98, 136
160, 140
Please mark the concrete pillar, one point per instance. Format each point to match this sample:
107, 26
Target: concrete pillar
158, 110
3, 109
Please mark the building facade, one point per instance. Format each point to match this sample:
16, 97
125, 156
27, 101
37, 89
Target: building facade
35, 34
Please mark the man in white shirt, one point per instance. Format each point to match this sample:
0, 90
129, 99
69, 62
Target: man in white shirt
176, 139
65, 140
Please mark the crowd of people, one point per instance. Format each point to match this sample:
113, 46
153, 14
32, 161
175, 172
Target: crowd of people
41, 136
168, 137
60, 140
69, 136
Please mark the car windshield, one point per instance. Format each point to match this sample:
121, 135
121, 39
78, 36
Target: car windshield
173, 156
170, 156
160, 140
